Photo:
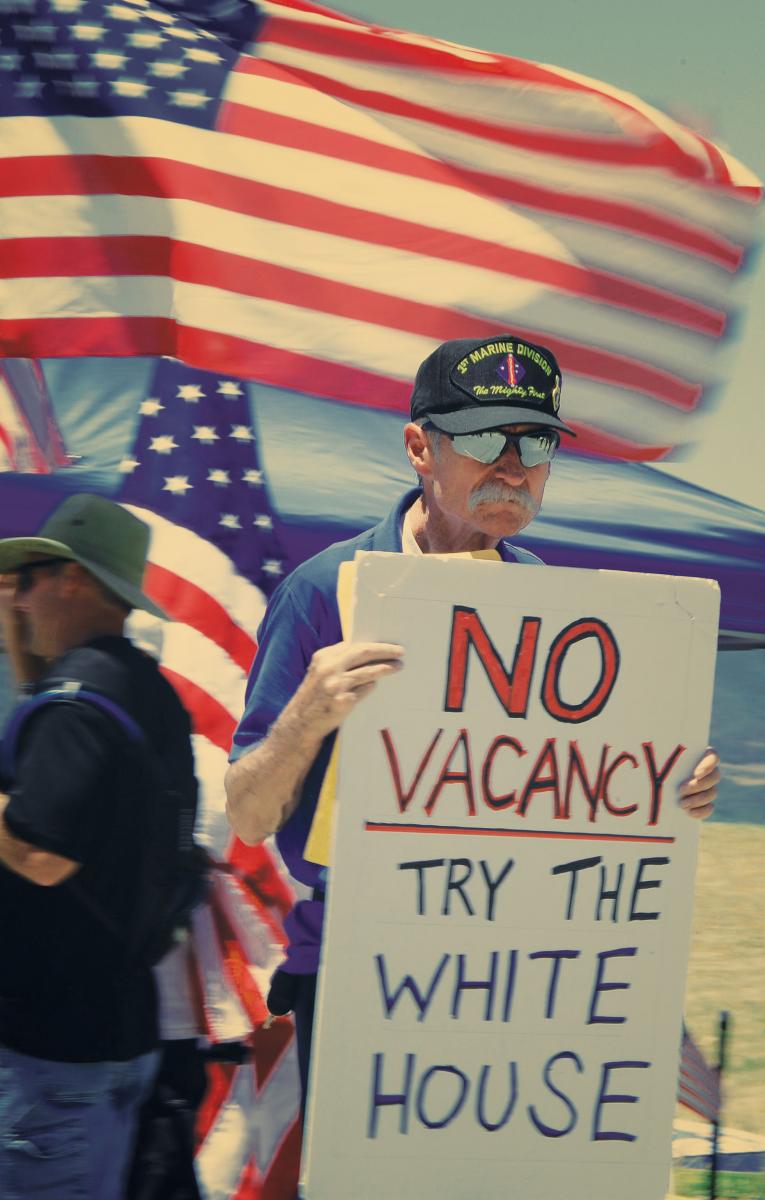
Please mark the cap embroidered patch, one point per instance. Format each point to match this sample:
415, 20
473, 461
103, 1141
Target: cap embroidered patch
510, 370
496, 371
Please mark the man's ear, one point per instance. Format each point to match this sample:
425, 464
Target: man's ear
418, 449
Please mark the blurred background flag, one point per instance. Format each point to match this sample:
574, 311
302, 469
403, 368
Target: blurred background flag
296, 197
29, 435
193, 472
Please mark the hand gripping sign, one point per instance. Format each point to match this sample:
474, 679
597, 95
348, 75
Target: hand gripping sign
511, 885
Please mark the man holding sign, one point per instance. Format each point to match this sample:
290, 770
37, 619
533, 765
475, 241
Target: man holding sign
484, 429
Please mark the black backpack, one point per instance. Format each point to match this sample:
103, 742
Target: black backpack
172, 867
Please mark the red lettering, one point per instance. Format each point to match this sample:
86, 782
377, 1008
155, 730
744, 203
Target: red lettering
489, 798
539, 782
464, 777
585, 627
577, 769
510, 688
658, 777
618, 762
404, 798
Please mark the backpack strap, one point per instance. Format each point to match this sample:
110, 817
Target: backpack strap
68, 691
65, 691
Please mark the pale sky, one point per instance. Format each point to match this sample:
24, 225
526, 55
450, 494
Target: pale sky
702, 62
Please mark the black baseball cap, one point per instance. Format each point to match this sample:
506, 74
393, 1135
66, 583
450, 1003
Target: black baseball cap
466, 385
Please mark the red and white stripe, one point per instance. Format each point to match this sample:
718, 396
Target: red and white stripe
249, 1141
699, 1085
249, 1128
382, 192
29, 437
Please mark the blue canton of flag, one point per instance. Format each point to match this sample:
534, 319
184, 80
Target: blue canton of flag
133, 58
195, 462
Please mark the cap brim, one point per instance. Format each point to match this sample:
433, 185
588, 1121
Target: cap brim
126, 591
476, 418
15, 553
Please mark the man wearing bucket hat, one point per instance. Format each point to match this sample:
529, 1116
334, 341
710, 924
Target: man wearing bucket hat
484, 429
78, 1021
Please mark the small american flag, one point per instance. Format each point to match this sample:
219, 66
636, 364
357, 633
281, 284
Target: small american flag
699, 1085
300, 198
195, 476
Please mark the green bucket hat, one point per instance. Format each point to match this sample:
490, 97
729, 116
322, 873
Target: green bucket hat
102, 536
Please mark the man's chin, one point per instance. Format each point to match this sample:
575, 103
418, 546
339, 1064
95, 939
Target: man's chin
502, 523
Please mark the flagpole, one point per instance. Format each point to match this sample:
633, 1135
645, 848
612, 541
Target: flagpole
716, 1124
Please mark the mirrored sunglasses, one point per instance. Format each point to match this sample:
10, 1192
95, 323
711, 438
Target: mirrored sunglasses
534, 447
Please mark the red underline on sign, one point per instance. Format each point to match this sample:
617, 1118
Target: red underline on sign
393, 827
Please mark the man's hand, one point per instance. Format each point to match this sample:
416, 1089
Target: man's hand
263, 786
27, 668
698, 794
7, 596
338, 677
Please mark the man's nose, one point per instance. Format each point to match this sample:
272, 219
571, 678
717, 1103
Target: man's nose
20, 600
510, 462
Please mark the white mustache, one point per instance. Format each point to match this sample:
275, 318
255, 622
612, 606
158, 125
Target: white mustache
493, 491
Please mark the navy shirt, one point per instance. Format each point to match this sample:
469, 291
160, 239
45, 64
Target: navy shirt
302, 617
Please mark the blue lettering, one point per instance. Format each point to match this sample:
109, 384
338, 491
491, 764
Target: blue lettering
549, 1130
382, 1099
493, 884
461, 984
609, 1135
456, 884
611, 894
451, 1113
408, 984
483, 1078
600, 986
557, 956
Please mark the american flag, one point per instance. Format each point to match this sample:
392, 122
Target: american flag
300, 198
699, 1085
194, 474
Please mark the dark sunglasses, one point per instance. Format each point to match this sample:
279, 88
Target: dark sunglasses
25, 575
534, 447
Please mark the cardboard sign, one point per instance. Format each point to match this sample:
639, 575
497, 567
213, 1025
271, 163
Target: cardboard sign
318, 845
510, 898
